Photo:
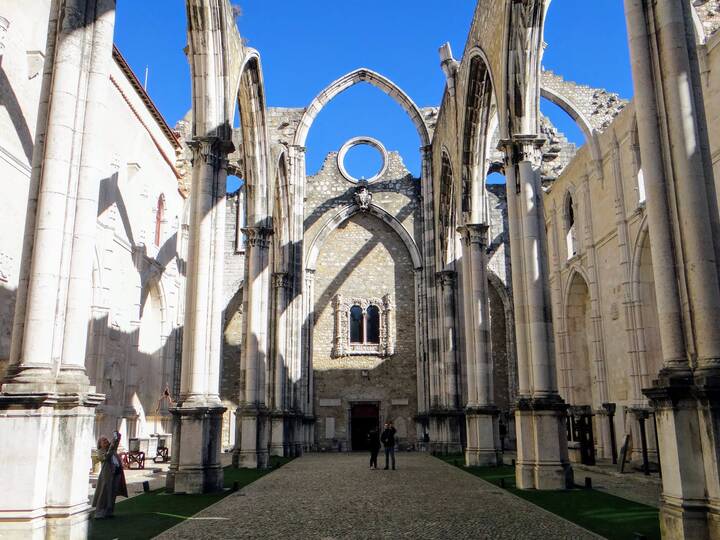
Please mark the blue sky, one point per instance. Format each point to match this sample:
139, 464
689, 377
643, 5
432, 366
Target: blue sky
305, 45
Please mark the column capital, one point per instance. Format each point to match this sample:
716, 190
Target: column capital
211, 149
280, 280
258, 236
519, 148
445, 278
474, 233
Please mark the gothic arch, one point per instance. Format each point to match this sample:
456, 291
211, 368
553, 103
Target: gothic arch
446, 210
577, 307
346, 213
559, 99
643, 298
351, 79
251, 105
478, 115
281, 215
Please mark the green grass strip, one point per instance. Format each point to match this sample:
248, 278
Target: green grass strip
147, 515
613, 517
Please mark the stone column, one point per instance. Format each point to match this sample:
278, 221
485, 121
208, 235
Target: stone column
449, 430
683, 237
278, 441
481, 415
197, 419
542, 461
253, 413
47, 407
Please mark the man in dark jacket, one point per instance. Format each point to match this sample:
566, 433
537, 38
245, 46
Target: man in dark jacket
374, 444
388, 440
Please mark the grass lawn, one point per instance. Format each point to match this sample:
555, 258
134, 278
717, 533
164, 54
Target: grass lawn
607, 515
149, 514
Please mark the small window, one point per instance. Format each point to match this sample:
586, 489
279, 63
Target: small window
571, 228
641, 187
159, 219
373, 325
356, 324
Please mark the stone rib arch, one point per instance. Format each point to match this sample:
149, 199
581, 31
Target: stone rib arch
349, 80
346, 213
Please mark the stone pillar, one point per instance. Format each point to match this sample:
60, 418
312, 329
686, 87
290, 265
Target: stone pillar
542, 460
684, 237
197, 418
252, 413
448, 429
278, 440
47, 407
481, 415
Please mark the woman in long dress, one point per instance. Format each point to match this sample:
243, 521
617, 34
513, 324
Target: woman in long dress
111, 481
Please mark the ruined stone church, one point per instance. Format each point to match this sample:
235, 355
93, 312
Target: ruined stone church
568, 313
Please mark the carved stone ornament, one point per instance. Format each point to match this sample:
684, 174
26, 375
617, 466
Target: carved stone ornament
363, 197
341, 341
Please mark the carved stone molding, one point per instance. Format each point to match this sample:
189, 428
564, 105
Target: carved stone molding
363, 197
341, 341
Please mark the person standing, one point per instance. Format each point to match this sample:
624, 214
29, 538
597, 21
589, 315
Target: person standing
374, 444
388, 440
111, 481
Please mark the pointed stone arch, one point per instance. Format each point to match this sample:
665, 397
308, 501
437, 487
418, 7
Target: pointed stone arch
349, 80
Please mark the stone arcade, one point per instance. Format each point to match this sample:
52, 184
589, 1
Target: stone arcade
300, 311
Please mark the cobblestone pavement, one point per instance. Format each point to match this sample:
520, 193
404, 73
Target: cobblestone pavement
334, 496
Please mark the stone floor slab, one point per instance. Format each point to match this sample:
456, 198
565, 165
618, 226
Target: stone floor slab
334, 496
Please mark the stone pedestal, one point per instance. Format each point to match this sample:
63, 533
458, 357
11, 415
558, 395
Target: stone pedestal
542, 453
483, 437
45, 452
688, 422
278, 440
195, 466
253, 438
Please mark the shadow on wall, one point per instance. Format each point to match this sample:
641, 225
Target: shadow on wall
7, 308
9, 101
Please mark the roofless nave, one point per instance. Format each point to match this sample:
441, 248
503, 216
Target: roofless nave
294, 315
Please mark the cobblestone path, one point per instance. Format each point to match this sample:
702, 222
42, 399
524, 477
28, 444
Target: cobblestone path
335, 496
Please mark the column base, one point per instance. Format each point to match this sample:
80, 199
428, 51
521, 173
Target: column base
45, 451
542, 454
445, 430
483, 437
197, 435
251, 450
688, 424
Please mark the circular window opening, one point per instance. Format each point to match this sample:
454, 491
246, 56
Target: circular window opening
362, 158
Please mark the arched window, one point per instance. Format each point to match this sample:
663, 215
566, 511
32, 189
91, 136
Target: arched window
571, 228
356, 324
364, 326
373, 325
159, 219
